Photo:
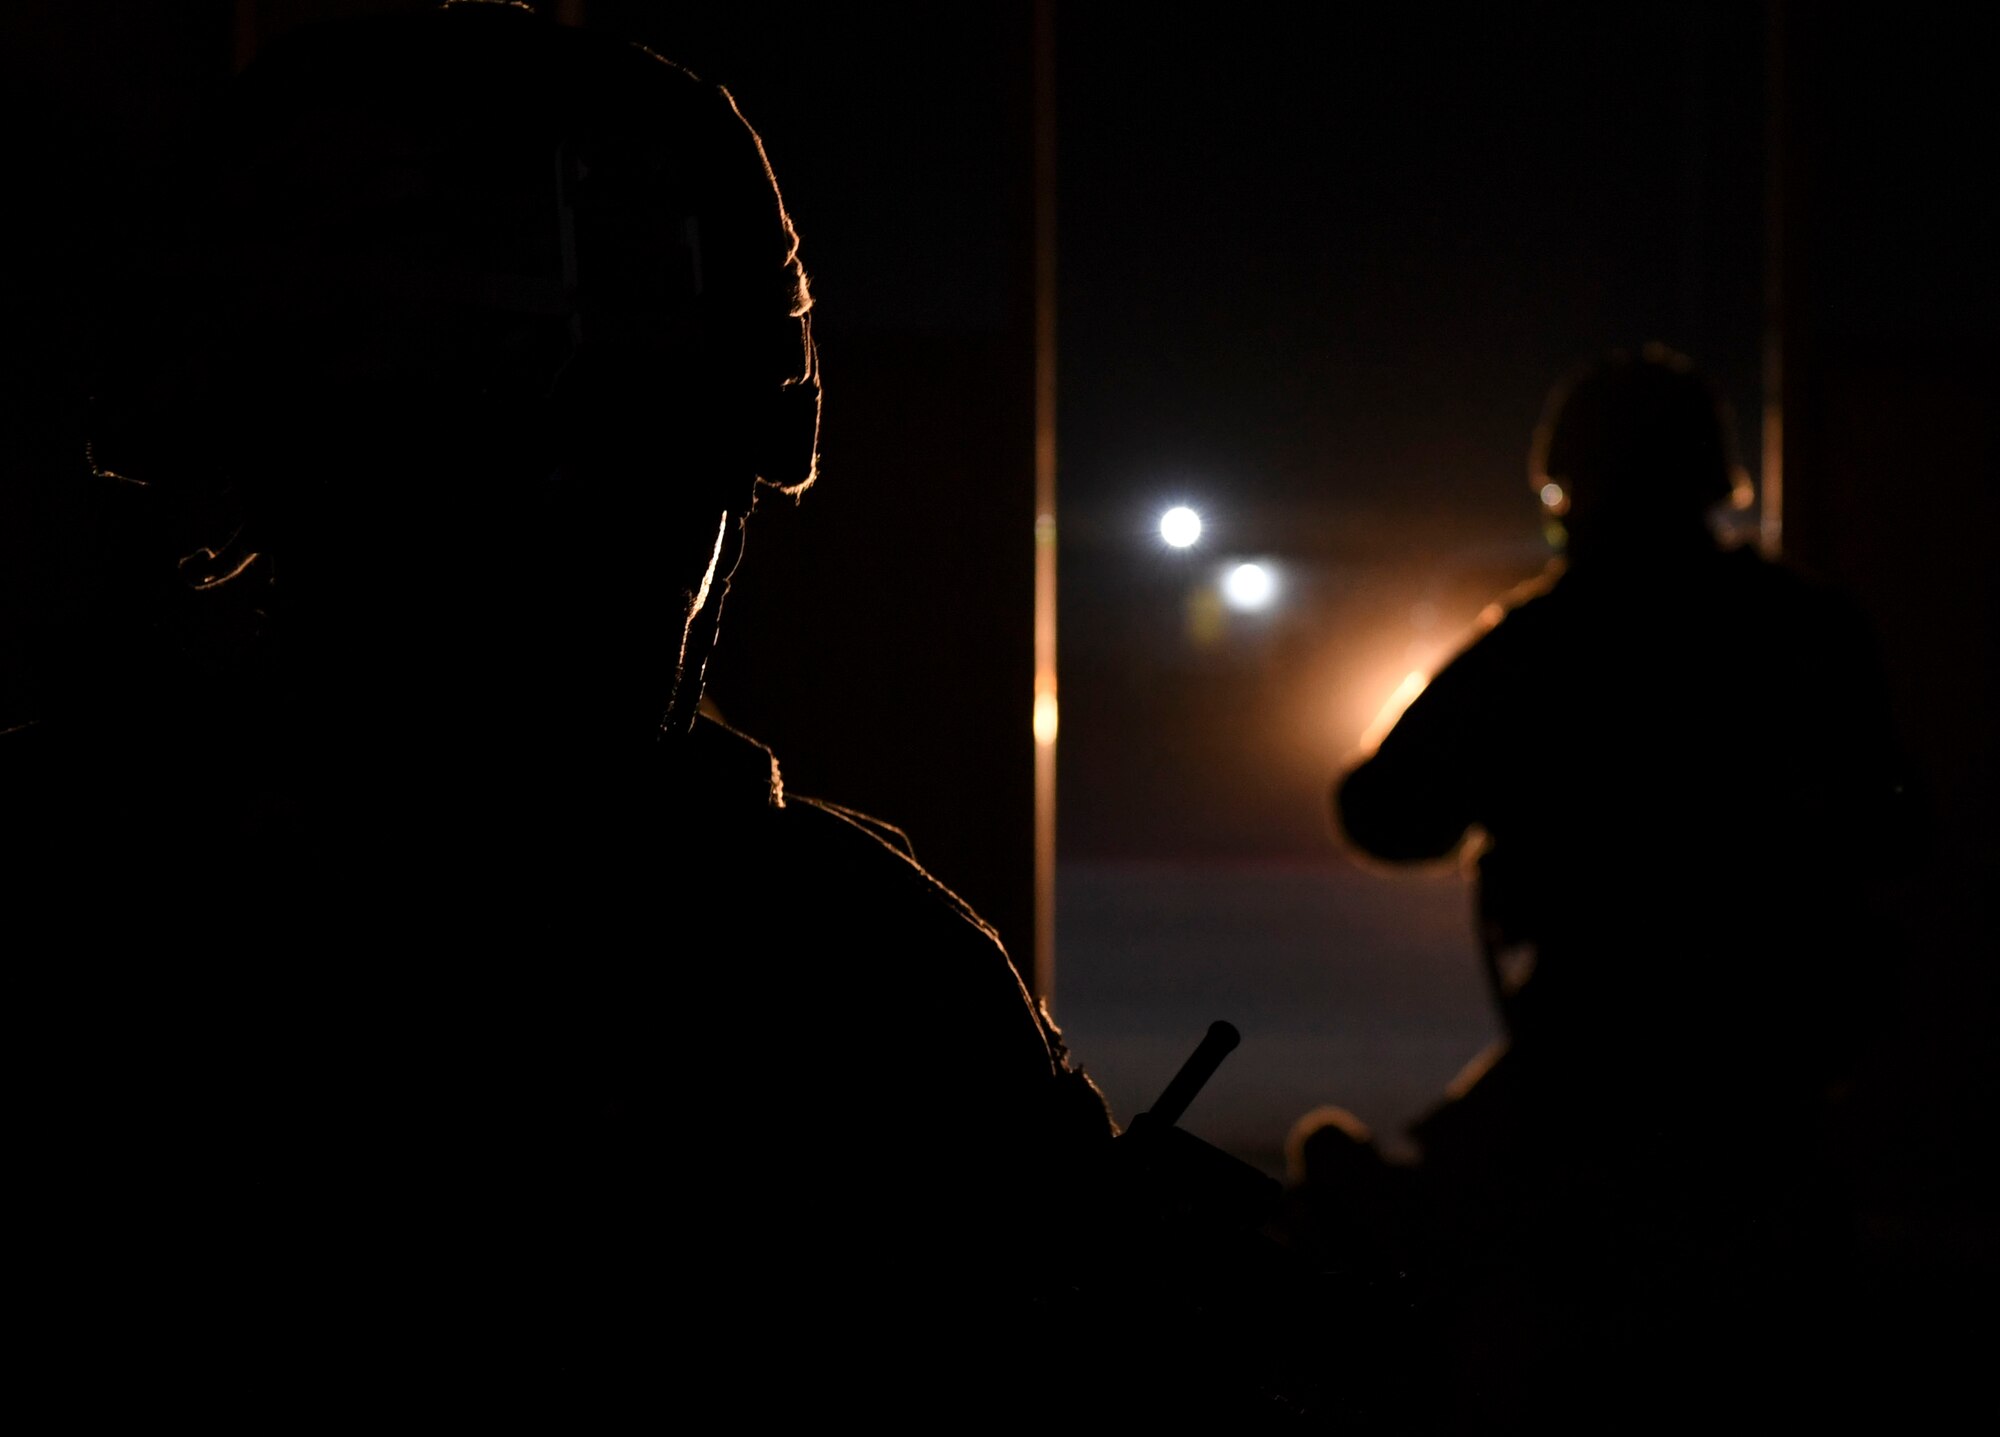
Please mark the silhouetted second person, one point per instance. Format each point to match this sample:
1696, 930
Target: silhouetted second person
1675, 764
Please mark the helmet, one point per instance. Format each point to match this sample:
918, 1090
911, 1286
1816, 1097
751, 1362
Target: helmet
1634, 439
485, 322
472, 222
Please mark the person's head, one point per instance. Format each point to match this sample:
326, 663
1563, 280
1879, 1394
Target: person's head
493, 331
1633, 452
1330, 1149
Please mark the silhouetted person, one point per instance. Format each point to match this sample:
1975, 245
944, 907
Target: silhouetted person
1676, 762
418, 993
1342, 1204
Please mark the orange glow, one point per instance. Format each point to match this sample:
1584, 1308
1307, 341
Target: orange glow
1045, 719
216, 581
1406, 693
1742, 493
90, 458
714, 558
203, 562
699, 599
1042, 966
1478, 1067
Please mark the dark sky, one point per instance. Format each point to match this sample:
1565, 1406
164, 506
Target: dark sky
1348, 254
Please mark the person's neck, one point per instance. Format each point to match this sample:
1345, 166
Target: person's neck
1649, 552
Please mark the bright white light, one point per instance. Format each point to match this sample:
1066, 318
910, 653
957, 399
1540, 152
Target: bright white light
1249, 586
1552, 496
1180, 526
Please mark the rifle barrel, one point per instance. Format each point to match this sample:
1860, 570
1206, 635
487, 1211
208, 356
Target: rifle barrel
1219, 1042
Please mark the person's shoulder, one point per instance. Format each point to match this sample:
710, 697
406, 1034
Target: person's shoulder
1748, 567
1787, 592
920, 954
870, 851
721, 765
1511, 626
833, 855
1522, 610
1530, 594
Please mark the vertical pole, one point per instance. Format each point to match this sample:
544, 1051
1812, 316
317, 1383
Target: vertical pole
1044, 715
1771, 479
243, 35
